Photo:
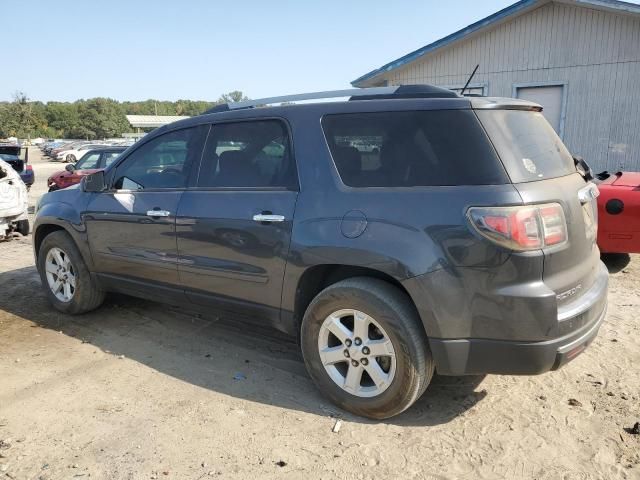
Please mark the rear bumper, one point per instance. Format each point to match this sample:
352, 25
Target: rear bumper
510, 357
478, 356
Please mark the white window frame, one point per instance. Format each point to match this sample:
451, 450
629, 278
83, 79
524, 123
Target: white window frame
552, 83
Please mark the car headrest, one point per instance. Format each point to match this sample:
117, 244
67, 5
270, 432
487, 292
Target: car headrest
348, 160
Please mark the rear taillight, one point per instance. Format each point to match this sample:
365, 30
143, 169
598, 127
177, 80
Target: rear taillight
530, 227
29, 167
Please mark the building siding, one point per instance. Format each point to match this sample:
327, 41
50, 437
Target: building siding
595, 53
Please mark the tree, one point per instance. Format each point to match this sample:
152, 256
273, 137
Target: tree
21, 118
102, 118
95, 118
235, 96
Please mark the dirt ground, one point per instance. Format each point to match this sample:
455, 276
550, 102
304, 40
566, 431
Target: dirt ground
137, 390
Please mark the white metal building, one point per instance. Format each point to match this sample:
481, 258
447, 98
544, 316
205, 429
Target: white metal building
580, 59
152, 121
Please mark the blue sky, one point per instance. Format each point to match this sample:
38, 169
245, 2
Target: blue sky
198, 49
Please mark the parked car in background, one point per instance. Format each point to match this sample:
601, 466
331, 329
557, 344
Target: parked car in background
619, 212
13, 202
10, 153
273, 215
47, 147
67, 145
73, 154
91, 161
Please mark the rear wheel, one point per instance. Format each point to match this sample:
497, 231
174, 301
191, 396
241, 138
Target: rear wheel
365, 348
71, 158
65, 277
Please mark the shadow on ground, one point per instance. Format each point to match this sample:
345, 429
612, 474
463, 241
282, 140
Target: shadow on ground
210, 352
615, 262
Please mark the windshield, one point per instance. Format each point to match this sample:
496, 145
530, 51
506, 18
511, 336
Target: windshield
528, 146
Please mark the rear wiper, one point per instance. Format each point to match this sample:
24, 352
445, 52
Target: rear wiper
583, 168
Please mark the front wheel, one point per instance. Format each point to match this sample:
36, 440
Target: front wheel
365, 348
65, 277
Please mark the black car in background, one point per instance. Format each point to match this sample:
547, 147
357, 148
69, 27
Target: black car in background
11, 154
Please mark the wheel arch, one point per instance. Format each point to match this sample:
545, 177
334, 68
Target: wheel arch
40, 232
318, 277
45, 226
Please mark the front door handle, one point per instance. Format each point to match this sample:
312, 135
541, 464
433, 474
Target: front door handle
263, 217
158, 213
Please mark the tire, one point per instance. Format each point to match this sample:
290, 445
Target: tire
22, 227
86, 295
70, 158
392, 311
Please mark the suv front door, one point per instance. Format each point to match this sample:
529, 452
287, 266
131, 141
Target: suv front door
131, 227
234, 224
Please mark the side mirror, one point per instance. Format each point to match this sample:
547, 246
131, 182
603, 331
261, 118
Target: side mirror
94, 182
70, 167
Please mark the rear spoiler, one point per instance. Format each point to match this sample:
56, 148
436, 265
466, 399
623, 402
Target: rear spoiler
500, 103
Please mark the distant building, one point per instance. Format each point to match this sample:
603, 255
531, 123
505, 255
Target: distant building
152, 121
580, 59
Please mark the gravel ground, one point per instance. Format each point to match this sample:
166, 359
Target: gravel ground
137, 390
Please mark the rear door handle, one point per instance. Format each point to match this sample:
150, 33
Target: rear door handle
262, 217
158, 213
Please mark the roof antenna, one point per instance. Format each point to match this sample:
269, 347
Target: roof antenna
468, 81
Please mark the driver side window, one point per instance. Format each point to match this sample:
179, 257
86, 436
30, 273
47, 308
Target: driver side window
161, 163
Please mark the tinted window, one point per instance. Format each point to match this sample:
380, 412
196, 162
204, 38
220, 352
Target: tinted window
528, 146
160, 163
109, 157
90, 160
248, 154
407, 149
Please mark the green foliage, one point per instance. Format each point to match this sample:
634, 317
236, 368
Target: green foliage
94, 118
235, 96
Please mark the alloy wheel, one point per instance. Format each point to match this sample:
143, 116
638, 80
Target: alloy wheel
357, 353
60, 274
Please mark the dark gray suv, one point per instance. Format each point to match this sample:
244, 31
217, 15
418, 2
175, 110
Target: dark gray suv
403, 231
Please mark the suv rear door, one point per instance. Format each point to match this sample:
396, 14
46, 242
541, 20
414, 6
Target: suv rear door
234, 224
131, 227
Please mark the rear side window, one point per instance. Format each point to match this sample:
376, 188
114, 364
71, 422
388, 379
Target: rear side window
409, 149
251, 154
527, 144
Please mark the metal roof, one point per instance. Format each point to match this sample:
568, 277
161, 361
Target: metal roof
152, 121
516, 9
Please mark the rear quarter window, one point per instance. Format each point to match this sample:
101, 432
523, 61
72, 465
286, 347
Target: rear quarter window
527, 144
411, 149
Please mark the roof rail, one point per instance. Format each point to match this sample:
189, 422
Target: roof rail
402, 91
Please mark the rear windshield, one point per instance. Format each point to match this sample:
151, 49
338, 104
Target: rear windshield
528, 146
414, 148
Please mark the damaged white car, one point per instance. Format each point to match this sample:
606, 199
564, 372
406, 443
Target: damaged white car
13, 202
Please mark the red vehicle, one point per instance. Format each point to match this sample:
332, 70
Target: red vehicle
91, 162
619, 212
